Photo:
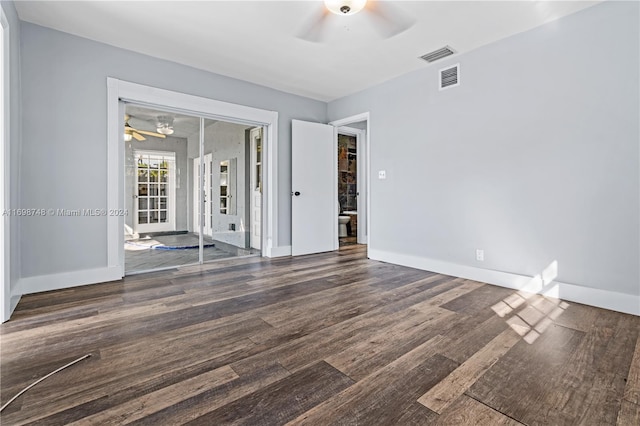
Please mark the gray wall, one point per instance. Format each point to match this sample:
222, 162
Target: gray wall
534, 158
15, 136
64, 142
169, 144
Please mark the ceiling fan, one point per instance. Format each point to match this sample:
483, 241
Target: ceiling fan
130, 132
387, 18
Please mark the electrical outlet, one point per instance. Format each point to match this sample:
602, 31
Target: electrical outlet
232, 227
382, 174
480, 255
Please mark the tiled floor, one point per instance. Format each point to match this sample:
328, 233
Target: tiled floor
166, 251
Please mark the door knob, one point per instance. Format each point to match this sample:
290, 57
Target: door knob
296, 193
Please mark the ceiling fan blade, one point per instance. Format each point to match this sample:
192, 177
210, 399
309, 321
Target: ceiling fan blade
137, 136
315, 27
390, 19
155, 135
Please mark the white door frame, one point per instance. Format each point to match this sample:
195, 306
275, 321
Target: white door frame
255, 196
344, 122
119, 90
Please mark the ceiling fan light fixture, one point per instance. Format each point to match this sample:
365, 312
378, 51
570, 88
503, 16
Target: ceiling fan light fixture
164, 125
165, 129
345, 7
127, 137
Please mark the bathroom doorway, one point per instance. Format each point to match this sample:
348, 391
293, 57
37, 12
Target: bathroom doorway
351, 184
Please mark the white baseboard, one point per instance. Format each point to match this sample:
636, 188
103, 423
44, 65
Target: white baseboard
281, 251
621, 302
66, 279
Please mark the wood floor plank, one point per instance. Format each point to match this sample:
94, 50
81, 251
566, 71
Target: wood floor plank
382, 397
443, 298
629, 414
145, 405
389, 343
632, 388
467, 336
280, 401
604, 400
462, 378
468, 411
417, 414
206, 402
478, 303
517, 384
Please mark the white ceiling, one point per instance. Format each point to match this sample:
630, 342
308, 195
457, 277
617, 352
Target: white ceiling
258, 41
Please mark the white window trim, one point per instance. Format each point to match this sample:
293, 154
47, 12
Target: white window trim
119, 90
170, 225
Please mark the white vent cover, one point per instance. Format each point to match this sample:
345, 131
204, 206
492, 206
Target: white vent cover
438, 54
449, 77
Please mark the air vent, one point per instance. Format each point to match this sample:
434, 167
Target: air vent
438, 54
450, 77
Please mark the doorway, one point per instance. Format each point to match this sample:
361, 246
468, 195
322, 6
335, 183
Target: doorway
357, 176
347, 187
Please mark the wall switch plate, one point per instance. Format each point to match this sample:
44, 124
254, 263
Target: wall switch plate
382, 174
480, 255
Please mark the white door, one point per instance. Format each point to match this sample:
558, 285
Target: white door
154, 191
314, 204
203, 180
255, 189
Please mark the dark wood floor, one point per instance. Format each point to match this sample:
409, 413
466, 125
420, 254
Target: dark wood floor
328, 339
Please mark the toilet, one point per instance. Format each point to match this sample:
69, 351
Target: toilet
342, 225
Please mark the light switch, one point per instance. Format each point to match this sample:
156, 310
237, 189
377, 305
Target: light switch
382, 174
